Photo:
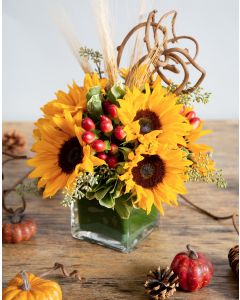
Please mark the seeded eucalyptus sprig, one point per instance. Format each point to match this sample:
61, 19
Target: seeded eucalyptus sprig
95, 56
212, 177
28, 187
84, 183
201, 170
197, 96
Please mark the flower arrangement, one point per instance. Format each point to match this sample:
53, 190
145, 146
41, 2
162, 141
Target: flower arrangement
127, 137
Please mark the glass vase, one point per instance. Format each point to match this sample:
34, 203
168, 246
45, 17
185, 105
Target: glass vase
92, 222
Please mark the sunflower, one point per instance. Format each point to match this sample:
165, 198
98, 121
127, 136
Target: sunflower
193, 136
153, 114
60, 154
156, 175
75, 100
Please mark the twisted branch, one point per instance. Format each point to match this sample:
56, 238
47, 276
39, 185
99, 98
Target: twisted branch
163, 51
65, 273
211, 215
6, 192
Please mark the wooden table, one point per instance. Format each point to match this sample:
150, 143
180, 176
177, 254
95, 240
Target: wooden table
113, 275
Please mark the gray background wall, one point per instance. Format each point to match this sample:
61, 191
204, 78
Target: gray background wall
37, 60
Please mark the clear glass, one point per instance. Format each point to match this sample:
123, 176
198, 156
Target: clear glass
95, 223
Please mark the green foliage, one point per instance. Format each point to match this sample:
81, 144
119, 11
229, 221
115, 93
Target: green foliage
105, 187
84, 183
94, 106
197, 96
96, 90
28, 187
116, 92
211, 177
95, 56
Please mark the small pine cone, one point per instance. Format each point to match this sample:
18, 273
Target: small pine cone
233, 257
13, 142
161, 284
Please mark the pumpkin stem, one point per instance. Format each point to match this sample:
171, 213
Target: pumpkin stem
26, 284
191, 252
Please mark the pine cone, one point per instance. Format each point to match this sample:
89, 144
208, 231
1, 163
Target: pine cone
233, 257
13, 142
161, 284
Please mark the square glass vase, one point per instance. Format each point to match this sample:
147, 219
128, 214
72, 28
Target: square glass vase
97, 224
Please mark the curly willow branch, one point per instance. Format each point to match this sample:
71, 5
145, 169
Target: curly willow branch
65, 273
164, 52
211, 215
6, 192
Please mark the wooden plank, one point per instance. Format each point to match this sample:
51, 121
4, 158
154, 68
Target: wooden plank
113, 275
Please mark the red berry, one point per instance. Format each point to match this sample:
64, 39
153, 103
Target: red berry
102, 156
191, 114
119, 133
112, 162
112, 110
88, 124
106, 126
195, 122
105, 118
105, 105
88, 137
114, 149
98, 145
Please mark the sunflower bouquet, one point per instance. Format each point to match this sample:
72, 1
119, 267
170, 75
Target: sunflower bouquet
123, 145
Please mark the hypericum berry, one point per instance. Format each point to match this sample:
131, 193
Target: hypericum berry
105, 105
191, 114
195, 122
112, 162
112, 110
88, 137
88, 124
106, 126
98, 145
102, 156
114, 149
105, 118
119, 133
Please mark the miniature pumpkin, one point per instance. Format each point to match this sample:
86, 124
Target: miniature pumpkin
194, 270
18, 230
27, 286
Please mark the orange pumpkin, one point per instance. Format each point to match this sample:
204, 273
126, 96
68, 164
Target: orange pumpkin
27, 286
16, 232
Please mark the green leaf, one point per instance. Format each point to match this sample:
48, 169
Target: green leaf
117, 92
107, 145
118, 189
96, 90
107, 201
110, 180
122, 207
120, 170
90, 195
99, 195
125, 151
94, 106
97, 187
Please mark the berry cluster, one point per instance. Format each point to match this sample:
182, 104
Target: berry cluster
104, 135
192, 117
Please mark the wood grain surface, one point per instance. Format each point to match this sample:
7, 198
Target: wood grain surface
113, 275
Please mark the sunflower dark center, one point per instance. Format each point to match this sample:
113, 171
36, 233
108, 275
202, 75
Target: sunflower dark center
149, 172
148, 121
71, 154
